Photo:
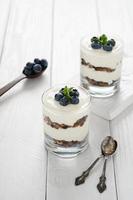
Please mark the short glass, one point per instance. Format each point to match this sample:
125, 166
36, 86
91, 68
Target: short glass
100, 70
66, 128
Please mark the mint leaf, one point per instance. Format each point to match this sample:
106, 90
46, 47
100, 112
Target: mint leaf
103, 39
67, 92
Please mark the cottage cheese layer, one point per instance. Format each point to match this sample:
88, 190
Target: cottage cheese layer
100, 65
67, 123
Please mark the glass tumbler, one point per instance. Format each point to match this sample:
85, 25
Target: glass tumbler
100, 70
66, 128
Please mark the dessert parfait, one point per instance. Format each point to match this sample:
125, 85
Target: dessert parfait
66, 120
101, 60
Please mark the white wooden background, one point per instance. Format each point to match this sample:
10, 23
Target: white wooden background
52, 29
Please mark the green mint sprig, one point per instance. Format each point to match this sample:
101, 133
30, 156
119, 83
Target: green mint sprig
66, 91
103, 39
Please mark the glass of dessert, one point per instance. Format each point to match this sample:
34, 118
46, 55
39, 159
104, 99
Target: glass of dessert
66, 119
101, 61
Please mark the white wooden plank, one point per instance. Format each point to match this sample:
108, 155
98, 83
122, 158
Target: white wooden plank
5, 7
116, 17
62, 172
72, 20
122, 128
22, 155
119, 20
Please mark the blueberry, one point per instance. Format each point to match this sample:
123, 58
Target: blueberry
75, 100
44, 63
58, 96
107, 47
27, 71
111, 42
29, 65
76, 93
63, 101
94, 39
37, 68
96, 45
75, 90
36, 61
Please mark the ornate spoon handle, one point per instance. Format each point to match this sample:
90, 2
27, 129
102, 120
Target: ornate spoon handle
81, 179
101, 186
7, 87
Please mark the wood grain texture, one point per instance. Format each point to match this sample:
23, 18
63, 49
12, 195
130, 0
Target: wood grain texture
115, 17
121, 129
5, 8
72, 20
119, 20
22, 156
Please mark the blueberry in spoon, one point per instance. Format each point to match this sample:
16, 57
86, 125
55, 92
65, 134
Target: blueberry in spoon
31, 70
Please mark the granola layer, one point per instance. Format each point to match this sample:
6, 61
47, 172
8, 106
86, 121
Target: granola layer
79, 123
98, 83
105, 69
66, 143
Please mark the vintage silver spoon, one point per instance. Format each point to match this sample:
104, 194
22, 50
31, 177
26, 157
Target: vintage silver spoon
30, 71
106, 150
101, 186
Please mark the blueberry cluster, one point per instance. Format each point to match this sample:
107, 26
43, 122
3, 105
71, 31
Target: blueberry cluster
37, 67
67, 96
102, 42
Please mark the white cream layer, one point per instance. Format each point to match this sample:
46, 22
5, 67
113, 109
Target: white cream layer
66, 115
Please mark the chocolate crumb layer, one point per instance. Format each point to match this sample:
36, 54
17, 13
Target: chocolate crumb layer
66, 143
105, 69
98, 83
80, 122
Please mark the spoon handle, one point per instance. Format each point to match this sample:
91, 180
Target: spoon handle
8, 86
101, 186
81, 179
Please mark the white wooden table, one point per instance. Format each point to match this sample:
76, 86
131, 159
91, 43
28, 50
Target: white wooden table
52, 29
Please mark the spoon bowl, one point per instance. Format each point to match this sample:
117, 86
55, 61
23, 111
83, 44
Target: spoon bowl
108, 146
34, 76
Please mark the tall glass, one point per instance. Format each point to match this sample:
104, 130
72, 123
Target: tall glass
66, 128
100, 70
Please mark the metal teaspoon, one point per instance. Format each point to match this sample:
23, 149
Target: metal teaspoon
106, 150
101, 186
